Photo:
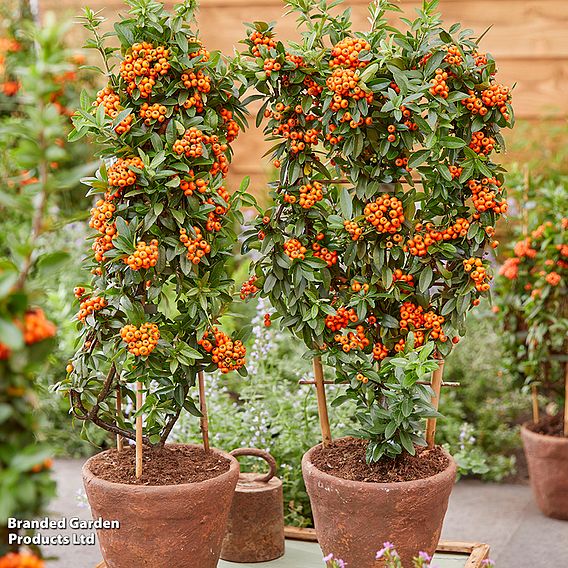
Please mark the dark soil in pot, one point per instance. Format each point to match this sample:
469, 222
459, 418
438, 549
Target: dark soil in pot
345, 458
354, 517
170, 465
548, 426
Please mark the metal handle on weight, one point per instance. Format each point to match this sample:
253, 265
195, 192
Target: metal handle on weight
254, 452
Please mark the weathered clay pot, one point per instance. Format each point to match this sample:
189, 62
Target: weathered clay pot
353, 518
547, 458
163, 526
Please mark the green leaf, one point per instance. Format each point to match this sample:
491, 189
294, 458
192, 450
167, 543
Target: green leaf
425, 278
11, 335
345, 203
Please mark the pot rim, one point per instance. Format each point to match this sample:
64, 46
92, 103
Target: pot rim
450, 470
90, 477
560, 440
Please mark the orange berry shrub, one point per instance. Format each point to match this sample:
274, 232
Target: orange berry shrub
376, 245
163, 222
532, 306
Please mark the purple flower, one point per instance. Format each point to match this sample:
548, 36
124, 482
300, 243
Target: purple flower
387, 547
424, 556
488, 562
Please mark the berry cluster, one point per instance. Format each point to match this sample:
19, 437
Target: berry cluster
258, 39
433, 322
231, 126
21, 560
227, 354
249, 288
267, 320
399, 276
380, 352
79, 292
345, 84
143, 66
341, 319
478, 273
111, 101
330, 256
120, 175
36, 327
454, 56
310, 194
356, 286
439, 84
346, 53
144, 257
141, 341
300, 139
197, 80
482, 144
418, 245
386, 214
294, 249
352, 227
411, 316
153, 113
456, 171
101, 216
191, 184
4, 352
484, 193
197, 248
191, 145
89, 306
362, 378
201, 52
474, 104
352, 340
497, 96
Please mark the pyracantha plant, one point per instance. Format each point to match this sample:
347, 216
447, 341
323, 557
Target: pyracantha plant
375, 247
532, 305
163, 221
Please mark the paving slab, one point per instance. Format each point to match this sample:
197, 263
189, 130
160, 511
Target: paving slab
501, 515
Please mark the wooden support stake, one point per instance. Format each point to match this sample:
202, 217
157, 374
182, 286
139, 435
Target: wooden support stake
566, 399
203, 409
139, 426
119, 438
322, 403
436, 387
535, 410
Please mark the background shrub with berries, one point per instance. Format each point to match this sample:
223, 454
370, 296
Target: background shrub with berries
531, 294
38, 181
376, 245
163, 222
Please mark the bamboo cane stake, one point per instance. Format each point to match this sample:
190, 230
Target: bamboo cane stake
535, 409
119, 438
566, 399
436, 387
139, 426
322, 403
204, 422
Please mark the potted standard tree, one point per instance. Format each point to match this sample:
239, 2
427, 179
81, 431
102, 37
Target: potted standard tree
149, 317
533, 312
375, 247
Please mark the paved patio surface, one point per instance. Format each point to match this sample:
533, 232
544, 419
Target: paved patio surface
504, 516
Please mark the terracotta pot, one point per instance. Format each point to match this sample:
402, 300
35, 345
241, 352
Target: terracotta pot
163, 526
547, 458
354, 518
